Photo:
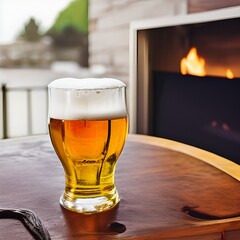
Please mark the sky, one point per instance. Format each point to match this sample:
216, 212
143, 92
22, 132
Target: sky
14, 14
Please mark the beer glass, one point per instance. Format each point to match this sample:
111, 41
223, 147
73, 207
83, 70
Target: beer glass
88, 126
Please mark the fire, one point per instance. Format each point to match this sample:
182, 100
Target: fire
193, 64
229, 74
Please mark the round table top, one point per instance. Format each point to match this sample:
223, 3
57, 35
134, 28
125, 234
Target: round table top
168, 190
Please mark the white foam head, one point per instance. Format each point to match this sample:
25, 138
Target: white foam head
88, 98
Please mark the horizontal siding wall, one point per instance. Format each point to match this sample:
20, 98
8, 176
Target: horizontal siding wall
109, 29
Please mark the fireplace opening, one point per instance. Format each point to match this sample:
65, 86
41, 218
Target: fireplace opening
199, 110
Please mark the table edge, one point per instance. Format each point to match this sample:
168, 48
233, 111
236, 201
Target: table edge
215, 160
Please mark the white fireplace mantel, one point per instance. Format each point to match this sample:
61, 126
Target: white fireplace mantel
139, 67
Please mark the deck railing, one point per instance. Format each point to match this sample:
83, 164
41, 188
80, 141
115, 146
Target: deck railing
5, 105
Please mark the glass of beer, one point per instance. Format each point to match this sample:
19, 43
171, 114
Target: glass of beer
88, 125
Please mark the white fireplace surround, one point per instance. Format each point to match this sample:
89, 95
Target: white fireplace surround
140, 72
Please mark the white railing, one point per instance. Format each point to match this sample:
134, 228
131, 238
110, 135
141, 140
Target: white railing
24, 111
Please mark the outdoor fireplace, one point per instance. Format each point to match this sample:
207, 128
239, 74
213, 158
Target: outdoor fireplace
200, 110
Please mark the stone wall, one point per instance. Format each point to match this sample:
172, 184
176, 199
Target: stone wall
109, 29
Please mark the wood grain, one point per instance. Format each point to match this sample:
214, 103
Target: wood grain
155, 178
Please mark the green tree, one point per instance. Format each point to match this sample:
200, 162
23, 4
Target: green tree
74, 16
31, 31
71, 29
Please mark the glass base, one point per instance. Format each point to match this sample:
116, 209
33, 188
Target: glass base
90, 205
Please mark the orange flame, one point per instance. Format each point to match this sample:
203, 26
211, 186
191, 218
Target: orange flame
193, 64
229, 74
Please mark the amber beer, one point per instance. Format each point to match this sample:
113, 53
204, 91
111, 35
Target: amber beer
88, 126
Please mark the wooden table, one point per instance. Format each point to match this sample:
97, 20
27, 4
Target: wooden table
168, 190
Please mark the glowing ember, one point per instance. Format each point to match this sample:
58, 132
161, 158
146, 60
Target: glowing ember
229, 74
193, 64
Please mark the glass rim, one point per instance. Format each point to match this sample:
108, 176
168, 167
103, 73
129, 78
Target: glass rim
86, 84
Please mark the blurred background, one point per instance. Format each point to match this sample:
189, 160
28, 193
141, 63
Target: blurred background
44, 40
39, 42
